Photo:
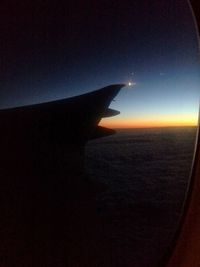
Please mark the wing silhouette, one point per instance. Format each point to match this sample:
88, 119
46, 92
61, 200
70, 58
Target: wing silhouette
37, 134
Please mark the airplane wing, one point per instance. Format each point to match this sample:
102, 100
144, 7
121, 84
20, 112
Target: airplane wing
68, 124
72, 119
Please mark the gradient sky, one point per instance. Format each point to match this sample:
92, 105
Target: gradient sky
62, 49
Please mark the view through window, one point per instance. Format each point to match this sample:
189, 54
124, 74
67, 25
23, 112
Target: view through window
125, 209
146, 166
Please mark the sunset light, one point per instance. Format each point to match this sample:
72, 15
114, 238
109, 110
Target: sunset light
159, 121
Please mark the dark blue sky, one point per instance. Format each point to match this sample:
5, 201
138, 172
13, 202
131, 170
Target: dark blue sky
55, 50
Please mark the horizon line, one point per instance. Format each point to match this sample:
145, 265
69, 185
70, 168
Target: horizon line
152, 127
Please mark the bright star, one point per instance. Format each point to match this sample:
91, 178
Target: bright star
131, 83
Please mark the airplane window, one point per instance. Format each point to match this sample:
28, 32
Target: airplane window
97, 174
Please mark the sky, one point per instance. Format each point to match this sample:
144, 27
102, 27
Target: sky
53, 50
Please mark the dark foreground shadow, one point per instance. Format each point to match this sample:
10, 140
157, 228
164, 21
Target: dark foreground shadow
51, 222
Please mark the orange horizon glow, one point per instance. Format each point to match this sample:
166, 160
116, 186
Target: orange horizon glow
160, 121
